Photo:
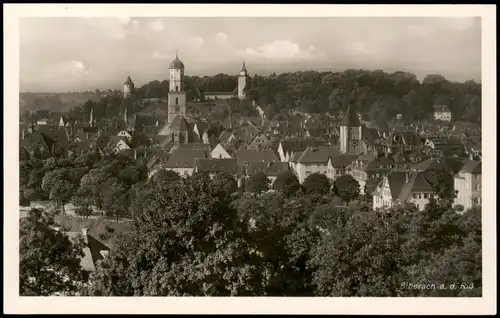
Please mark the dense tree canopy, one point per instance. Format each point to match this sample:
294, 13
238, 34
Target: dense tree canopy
49, 260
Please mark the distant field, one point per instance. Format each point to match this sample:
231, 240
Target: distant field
55, 102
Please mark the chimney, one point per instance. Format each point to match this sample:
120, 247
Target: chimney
84, 231
135, 154
471, 156
407, 176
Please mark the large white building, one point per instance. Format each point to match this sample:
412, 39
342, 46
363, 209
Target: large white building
468, 184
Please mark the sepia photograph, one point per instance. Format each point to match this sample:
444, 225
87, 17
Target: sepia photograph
225, 156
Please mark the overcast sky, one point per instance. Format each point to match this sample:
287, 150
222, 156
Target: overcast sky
78, 54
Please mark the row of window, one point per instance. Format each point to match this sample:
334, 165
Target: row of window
421, 195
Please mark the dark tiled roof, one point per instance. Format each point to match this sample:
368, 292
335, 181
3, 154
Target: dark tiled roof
343, 160
298, 145
217, 165
193, 146
185, 158
472, 166
403, 183
243, 156
271, 169
429, 164
317, 154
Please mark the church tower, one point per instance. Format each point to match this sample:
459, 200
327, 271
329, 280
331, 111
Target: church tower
242, 81
176, 94
128, 88
350, 132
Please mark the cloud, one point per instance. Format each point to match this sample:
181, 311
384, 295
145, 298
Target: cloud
221, 37
162, 56
283, 49
114, 27
157, 26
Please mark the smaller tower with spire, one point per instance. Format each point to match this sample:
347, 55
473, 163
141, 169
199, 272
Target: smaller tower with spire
351, 132
242, 81
128, 88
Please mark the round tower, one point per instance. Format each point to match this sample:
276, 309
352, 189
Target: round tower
242, 81
128, 88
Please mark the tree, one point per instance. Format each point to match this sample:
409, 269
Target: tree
61, 192
346, 187
316, 183
49, 261
288, 183
165, 176
189, 241
226, 182
84, 211
115, 200
445, 185
258, 183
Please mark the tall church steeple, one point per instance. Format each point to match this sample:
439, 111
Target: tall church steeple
242, 81
350, 132
176, 95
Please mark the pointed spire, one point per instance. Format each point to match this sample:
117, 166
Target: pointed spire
244, 68
351, 117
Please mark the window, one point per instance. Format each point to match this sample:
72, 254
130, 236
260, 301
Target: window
415, 195
426, 195
338, 172
477, 187
176, 88
177, 101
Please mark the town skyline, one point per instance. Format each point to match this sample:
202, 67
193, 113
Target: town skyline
143, 48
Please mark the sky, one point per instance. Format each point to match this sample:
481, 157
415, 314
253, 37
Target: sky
79, 54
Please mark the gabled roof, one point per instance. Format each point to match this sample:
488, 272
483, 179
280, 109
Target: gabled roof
429, 164
247, 156
298, 145
317, 155
271, 169
472, 166
403, 183
185, 158
343, 160
351, 117
217, 165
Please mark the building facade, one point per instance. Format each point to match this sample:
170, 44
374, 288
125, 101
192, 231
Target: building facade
468, 184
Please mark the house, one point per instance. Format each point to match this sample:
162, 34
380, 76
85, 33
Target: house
214, 166
124, 133
244, 157
182, 161
227, 137
117, 144
93, 251
286, 148
337, 166
468, 184
271, 169
260, 141
442, 113
404, 186
369, 169
220, 152
312, 160
219, 95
